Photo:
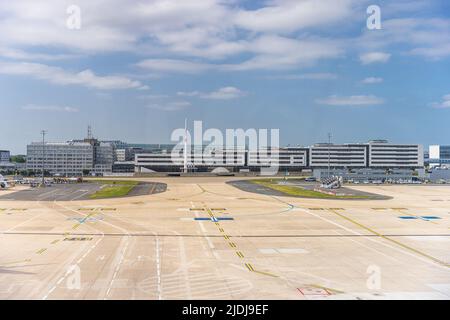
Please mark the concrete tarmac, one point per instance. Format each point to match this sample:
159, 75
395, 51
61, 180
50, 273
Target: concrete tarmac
205, 239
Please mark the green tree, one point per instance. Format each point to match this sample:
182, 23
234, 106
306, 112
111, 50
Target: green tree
18, 158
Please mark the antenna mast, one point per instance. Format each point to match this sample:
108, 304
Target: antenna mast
185, 147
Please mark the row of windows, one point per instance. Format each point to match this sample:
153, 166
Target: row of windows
338, 158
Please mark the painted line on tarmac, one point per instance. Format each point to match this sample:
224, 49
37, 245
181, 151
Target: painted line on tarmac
79, 196
208, 240
79, 260
76, 226
392, 240
400, 210
266, 273
15, 262
40, 251
249, 267
22, 223
354, 235
158, 270
233, 245
368, 237
116, 270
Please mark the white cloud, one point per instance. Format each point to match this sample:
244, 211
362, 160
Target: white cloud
427, 37
436, 52
59, 76
170, 106
362, 100
189, 93
12, 53
267, 52
172, 65
444, 104
374, 57
305, 76
271, 52
292, 15
153, 97
225, 93
181, 30
200, 26
32, 107
372, 80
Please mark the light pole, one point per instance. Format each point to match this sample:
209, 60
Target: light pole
329, 153
43, 132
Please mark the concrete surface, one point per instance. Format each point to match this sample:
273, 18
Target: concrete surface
72, 192
151, 247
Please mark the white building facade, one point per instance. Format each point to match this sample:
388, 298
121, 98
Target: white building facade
66, 158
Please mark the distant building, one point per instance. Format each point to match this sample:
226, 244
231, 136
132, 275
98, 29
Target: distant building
198, 161
104, 157
121, 155
386, 155
5, 156
66, 158
123, 167
438, 155
373, 160
375, 156
287, 159
377, 160
343, 155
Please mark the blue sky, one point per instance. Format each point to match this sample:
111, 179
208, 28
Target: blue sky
134, 70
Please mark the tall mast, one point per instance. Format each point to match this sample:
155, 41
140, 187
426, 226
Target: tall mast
43, 132
185, 146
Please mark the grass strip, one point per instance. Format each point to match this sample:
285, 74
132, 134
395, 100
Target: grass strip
301, 192
113, 189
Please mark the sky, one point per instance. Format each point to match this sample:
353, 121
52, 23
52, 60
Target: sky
134, 70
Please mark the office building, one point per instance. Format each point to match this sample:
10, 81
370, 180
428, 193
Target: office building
386, 155
292, 159
202, 160
438, 155
5, 156
326, 155
65, 158
71, 158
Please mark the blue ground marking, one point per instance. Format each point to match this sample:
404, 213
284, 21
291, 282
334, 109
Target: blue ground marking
425, 218
214, 219
83, 220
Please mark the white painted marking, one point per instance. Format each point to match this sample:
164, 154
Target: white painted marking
79, 260
116, 271
158, 270
268, 251
211, 246
376, 241
282, 250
